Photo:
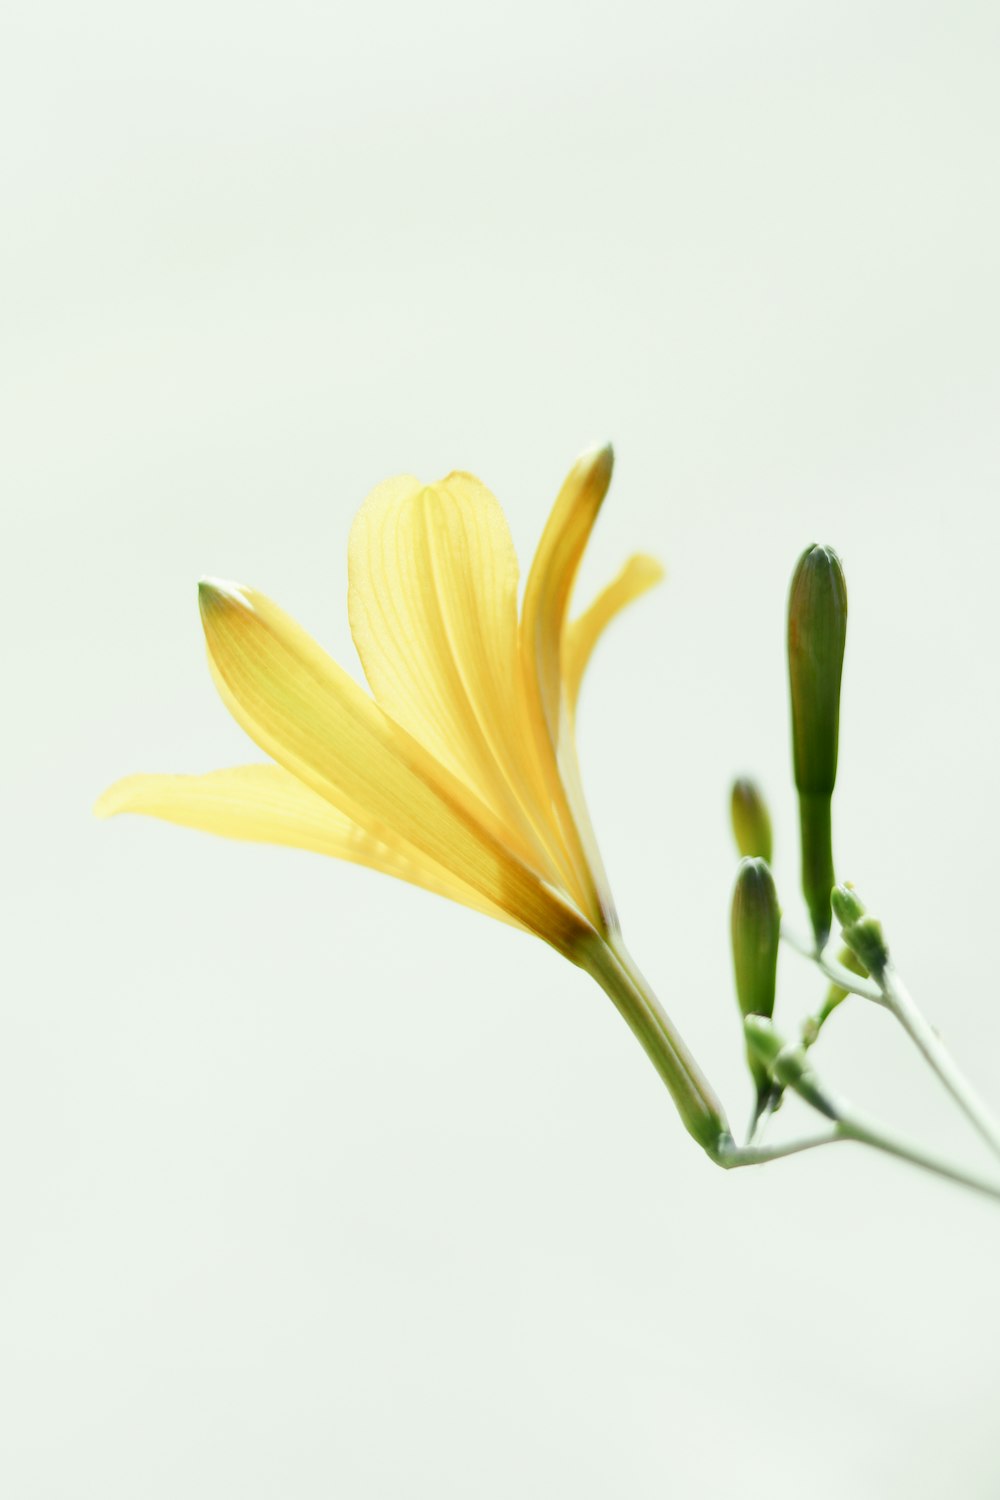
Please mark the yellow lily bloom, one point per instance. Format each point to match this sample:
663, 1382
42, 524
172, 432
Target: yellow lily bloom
459, 772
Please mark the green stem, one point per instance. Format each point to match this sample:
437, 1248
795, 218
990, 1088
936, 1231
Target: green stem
756, 1155
891, 993
855, 984
854, 1127
818, 878
697, 1103
898, 999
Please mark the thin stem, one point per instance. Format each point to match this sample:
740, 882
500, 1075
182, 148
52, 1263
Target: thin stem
813, 1025
891, 993
754, 1156
897, 998
853, 983
855, 1127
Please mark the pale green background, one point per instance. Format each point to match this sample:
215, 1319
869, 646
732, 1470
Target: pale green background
312, 1185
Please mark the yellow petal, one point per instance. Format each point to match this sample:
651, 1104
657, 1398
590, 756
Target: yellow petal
639, 574
308, 715
433, 607
550, 583
543, 623
265, 804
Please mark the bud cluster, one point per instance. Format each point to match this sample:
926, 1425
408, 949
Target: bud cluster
862, 933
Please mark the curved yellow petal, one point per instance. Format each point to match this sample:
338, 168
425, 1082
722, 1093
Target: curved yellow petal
544, 616
432, 600
308, 715
553, 573
638, 574
265, 804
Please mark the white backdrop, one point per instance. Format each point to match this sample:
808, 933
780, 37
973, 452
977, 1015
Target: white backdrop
311, 1184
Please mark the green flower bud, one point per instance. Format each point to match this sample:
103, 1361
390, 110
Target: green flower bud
848, 906
756, 927
862, 934
751, 820
786, 1065
817, 632
763, 1040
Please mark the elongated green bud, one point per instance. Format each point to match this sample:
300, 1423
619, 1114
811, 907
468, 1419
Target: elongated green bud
817, 632
756, 927
751, 820
787, 1065
862, 934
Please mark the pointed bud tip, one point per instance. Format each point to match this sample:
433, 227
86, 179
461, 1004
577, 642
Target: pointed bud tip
754, 871
820, 553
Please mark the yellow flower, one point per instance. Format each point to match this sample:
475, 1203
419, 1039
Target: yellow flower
459, 773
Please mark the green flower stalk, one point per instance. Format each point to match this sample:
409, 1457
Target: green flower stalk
817, 632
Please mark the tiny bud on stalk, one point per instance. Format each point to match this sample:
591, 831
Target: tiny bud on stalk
751, 820
756, 928
862, 933
817, 633
787, 1065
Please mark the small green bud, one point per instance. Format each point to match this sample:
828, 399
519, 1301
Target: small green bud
847, 905
862, 934
756, 928
787, 1065
751, 820
763, 1040
817, 633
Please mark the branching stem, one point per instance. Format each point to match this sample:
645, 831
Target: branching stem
897, 998
855, 984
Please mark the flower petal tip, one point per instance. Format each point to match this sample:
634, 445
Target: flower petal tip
649, 569
599, 457
111, 801
215, 593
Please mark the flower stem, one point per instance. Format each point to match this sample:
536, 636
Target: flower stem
697, 1103
869, 1133
855, 984
754, 1155
897, 999
891, 993
854, 1127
